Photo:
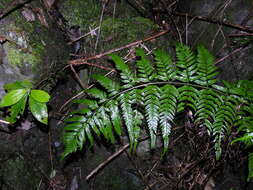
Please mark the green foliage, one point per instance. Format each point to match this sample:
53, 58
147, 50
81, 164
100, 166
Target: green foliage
152, 96
16, 99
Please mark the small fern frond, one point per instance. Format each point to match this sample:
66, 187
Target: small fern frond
92, 104
250, 166
247, 138
128, 116
145, 70
223, 120
73, 138
115, 116
168, 107
97, 93
186, 62
106, 128
207, 106
126, 75
207, 72
151, 103
166, 71
111, 86
245, 125
188, 97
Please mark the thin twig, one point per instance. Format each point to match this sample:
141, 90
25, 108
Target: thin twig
214, 21
78, 95
100, 24
77, 77
79, 38
240, 35
84, 60
138, 171
111, 158
50, 150
227, 56
4, 122
107, 161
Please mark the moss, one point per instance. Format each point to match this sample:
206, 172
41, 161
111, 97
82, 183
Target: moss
118, 31
17, 57
4, 3
81, 13
15, 172
24, 34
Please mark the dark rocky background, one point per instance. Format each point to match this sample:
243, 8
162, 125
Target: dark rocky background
38, 48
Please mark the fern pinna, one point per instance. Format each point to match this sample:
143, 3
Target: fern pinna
153, 95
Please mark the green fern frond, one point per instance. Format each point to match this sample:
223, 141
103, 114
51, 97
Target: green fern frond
111, 86
73, 138
106, 128
151, 103
207, 72
188, 97
154, 95
250, 166
115, 116
166, 71
207, 106
128, 116
223, 120
145, 70
97, 93
92, 104
168, 107
186, 62
245, 125
126, 75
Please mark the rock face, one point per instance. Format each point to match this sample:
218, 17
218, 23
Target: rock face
8, 73
30, 159
218, 38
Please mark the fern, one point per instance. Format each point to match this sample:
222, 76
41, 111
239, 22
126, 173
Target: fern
169, 95
145, 71
166, 70
151, 102
150, 97
206, 70
186, 62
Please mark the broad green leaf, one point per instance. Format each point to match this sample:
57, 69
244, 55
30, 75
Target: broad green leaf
12, 97
39, 110
18, 85
17, 109
40, 96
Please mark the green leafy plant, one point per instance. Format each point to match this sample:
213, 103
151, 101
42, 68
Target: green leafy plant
18, 94
153, 95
